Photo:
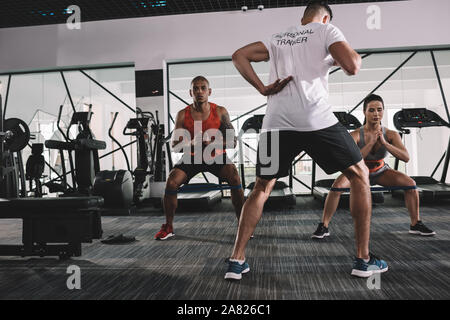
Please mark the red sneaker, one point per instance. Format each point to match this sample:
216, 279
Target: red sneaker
165, 233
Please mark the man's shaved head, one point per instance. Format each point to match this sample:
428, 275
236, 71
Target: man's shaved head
199, 78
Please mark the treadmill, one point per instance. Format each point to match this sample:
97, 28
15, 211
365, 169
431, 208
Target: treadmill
200, 199
429, 188
282, 194
322, 187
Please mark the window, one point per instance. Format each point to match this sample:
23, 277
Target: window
36, 98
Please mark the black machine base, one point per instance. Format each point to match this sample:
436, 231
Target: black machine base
53, 226
63, 251
281, 195
322, 188
430, 190
118, 211
199, 200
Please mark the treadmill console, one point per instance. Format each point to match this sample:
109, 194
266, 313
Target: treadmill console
349, 121
418, 118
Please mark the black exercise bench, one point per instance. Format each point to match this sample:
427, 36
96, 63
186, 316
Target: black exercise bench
53, 226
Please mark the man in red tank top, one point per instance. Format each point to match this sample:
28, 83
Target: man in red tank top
199, 120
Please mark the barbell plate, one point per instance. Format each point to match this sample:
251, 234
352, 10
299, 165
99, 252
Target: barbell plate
20, 134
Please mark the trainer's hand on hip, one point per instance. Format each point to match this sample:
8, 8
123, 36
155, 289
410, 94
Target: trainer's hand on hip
275, 87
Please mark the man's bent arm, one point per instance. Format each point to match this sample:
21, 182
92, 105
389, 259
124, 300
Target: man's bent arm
254, 52
226, 125
179, 121
347, 58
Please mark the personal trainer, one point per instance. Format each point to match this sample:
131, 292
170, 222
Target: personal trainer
212, 121
299, 113
375, 141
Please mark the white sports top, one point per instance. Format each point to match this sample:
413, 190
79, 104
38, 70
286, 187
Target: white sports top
301, 52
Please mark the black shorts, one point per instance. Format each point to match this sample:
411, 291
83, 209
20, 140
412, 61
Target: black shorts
191, 169
332, 148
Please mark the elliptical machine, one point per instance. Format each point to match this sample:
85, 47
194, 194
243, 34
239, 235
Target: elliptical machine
142, 175
85, 148
114, 194
115, 186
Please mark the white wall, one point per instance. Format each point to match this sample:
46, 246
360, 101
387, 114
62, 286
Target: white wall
149, 41
153, 104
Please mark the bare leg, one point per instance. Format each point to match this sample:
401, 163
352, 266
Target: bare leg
230, 174
332, 200
360, 206
176, 178
251, 214
412, 204
395, 178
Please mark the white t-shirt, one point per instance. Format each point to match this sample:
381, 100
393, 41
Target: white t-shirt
301, 52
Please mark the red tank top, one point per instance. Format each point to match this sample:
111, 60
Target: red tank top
212, 122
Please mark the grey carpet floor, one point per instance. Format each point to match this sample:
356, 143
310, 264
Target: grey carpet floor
286, 264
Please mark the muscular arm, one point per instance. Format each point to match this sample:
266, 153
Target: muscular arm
345, 57
225, 125
179, 124
256, 52
367, 147
396, 147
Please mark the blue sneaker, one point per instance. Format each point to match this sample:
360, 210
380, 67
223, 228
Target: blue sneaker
235, 270
366, 269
